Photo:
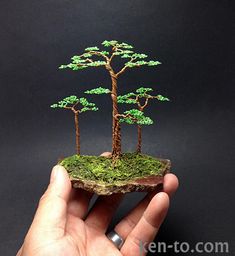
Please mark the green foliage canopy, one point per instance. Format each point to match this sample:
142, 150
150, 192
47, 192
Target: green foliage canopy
142, 92
94, 57
135, 116
162, 98
129, 98
73, 101
99, 90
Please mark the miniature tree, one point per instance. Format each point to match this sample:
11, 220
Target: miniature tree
72, 103
94, 57
141, 97
135, 116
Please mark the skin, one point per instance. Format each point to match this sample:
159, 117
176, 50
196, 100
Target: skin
63, 226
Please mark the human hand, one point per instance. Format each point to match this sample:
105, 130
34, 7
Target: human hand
62, 225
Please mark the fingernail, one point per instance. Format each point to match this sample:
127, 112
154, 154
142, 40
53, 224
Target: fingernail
54, 173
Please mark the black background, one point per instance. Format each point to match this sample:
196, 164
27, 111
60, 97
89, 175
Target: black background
193, 40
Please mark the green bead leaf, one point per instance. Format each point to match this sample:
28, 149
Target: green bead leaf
89, 108
54, 106
135, 116
127, 120
139, 55
145, 120
130, 64
93, 48
76, 58
107, 43
87, 55
134, 112
105, 52
144, 90
76, 66
127, 98
62, 66
99, 90
117, 53
125, 46
136, 64
84, 109
127, 52
131, 101
84, 102
153, 63
140, 63
96, 63
162, 98
125, 56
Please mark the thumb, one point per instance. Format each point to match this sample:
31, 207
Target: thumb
51, 213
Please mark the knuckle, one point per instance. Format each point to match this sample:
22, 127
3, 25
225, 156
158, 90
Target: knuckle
134, 240
129, 222
44, 198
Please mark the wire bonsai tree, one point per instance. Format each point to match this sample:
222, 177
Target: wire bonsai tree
122, 172
94, 57
141, 98
77, 106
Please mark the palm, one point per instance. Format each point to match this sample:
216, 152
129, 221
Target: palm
84, 234
63, 226
90, 242
82, 240
80, 236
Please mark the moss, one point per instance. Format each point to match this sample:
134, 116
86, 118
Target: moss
101, 169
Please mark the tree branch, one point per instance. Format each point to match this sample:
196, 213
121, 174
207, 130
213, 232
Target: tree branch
112, 56
120, 115
121, 71
117, 116
146, 103
90, 60
138, 101
99, 54
75, 111
73, 108
70, 108
75, 104
125, 67
110, 69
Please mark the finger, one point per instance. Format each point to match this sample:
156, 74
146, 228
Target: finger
170, 184
79, 202
106, 154
76, 211
147, 227
125, 226
20, 251
51, 213
102, 212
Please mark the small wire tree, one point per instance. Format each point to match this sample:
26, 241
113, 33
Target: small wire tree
135, 116
77, 106
141, 98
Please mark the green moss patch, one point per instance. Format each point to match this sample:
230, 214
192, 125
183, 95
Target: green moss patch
101, 169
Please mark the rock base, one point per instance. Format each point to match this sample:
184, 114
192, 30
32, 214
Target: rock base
145, 183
